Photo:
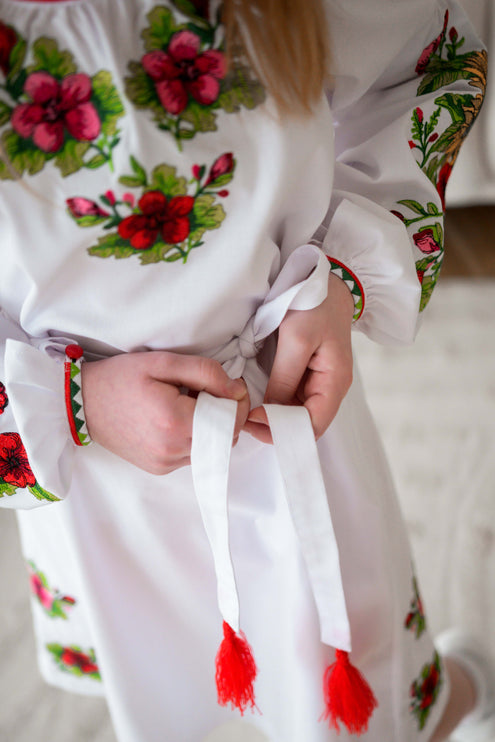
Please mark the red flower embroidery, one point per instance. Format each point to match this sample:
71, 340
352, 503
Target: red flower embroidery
56, 107
443, 179
430, 50
80, 207
428, 687
8, 39
4, 400
73, 658
183, 72
222, 166
426, 241
14, 464
158, 217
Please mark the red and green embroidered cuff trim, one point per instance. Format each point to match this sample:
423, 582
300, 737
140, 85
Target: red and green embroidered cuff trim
73, 395
353, 284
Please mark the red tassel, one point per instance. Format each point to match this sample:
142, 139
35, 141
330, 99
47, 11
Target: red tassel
348, 697
235, 671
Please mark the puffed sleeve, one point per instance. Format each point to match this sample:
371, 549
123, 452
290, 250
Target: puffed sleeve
36, 447
409, 80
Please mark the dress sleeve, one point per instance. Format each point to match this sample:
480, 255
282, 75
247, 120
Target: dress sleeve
409, 81
36, 449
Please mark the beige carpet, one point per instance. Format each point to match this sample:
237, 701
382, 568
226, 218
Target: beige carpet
435, 406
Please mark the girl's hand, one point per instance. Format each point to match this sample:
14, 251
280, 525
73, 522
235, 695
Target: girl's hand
134, 408
313, 362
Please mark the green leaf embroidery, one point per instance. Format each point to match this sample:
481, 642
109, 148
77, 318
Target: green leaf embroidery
70, 158
5, 113
7, 489
107, 102
164, 178
16, 60
413, 205
22, 154
49, 58
42, 494
112, 245
140, 89
130, 181
95, 162
206, 214
139, 171
240, 89
161, 28
201, 118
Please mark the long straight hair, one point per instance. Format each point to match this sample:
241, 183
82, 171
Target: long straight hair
287, 43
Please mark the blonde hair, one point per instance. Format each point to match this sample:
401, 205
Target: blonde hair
287, 43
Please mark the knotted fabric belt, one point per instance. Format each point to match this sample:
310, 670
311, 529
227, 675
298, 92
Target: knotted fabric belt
297, 456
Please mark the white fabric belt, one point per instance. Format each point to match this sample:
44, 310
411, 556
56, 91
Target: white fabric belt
296, 452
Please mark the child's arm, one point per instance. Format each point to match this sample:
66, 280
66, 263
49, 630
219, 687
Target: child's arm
132, 403
409, 83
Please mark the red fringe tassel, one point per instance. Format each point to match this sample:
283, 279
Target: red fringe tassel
235, 671
348, 697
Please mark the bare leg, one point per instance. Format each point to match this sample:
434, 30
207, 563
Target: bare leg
461, 702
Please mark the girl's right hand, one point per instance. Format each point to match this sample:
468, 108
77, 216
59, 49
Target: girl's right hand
134, 407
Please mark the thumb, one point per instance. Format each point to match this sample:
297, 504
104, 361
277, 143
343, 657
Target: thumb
289, 366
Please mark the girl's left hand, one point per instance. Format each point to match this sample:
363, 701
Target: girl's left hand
313, 362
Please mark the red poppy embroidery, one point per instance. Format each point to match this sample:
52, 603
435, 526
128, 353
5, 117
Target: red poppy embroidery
4, 400
159, 216
52, 111
15, 470
14, 464
8, 39
74, 660
169, 218
430, 50
183, 77
184, 72
55, 108
425, 689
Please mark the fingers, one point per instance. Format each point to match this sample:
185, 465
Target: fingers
195, 372
323, 393
294, 351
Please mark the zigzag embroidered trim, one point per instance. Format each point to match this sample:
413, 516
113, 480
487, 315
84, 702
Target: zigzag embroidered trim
353, 284
73, 395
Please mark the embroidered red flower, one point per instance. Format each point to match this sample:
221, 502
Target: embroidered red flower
223, 165
8, 39
56, 107
443, 179
80, 207
73, 658
429, 686
4, 400
14, 464
430, 50
159, 216
426, 242
182, 72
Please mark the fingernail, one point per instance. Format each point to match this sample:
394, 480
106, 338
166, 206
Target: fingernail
237, 388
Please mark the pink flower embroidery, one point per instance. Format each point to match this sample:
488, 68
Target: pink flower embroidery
56, 107
183, 72
37, 588
426, 242
158, 216
8, 39
80, 207
430, 50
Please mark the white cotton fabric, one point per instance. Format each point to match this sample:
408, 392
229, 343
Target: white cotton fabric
132, 548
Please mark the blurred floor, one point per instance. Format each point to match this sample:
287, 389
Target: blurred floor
435, 407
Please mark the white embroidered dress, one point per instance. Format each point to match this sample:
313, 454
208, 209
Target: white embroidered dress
150, 201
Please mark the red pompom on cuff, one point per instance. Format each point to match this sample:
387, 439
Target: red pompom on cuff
73, 395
